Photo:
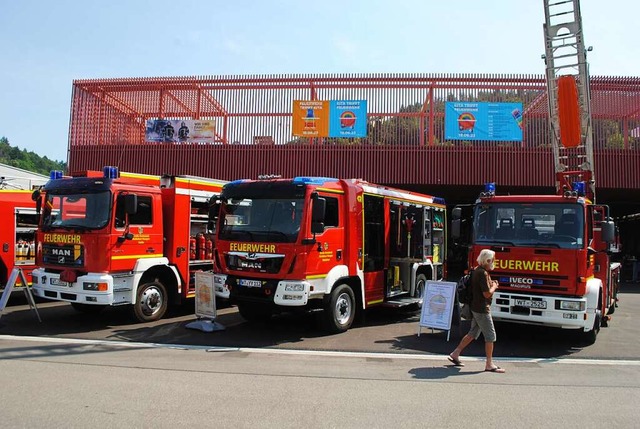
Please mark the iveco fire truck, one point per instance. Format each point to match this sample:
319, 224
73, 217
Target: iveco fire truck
341, 246
107, 238
552, 260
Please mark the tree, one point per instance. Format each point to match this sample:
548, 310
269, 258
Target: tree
25, 160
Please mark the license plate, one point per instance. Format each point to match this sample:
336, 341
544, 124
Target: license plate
58, 282
530, 304
570, 315
250, 283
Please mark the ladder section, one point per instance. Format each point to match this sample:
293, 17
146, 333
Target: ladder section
565, 54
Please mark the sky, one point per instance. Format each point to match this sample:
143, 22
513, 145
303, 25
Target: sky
46, 45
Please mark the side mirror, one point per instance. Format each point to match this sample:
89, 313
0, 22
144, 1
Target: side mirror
456, 213
455, 228
124, 237
131, 203
608, 231
35, 196
318, 212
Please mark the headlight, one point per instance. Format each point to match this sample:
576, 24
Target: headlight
95, 286
294, 287
572, 305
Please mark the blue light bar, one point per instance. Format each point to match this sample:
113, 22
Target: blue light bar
580, 188
490, 187
55, 174
235, 182
110, 172
438, 200
313, 180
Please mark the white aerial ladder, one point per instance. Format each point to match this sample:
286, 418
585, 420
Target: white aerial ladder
565, 54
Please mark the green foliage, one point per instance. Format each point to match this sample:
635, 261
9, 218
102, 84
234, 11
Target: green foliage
29, 161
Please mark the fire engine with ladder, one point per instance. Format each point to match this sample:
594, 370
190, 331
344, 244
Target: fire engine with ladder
107, 238
553, 253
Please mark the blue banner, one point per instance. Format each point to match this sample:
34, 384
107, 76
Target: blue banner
483, 121
348, 118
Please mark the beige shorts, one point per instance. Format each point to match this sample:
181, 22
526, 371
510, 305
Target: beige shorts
482, 323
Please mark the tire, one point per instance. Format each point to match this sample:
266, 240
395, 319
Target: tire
253, 312
591, 336
151, 302
88, 308
421, 283
340, 311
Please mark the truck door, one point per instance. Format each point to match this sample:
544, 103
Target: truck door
374, 246
145, 227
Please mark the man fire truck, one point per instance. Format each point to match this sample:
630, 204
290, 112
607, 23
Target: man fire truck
109, 238
553, 260
321, 243
18, 233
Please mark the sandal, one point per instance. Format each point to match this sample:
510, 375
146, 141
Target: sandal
455, 362
496, 369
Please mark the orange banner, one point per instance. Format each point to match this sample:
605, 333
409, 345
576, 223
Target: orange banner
310, 118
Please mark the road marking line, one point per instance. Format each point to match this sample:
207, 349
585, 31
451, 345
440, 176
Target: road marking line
379, 355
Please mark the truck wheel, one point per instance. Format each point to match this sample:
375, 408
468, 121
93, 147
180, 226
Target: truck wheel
151, 303
341, 309
253, 312
590, 337
421, 284
87, 308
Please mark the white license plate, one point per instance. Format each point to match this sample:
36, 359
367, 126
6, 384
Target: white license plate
530, 304
250, 283
58, 282
570, 315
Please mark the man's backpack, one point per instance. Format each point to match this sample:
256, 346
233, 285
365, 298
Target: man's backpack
465, 294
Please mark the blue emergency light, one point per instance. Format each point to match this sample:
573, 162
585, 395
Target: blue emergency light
55, 174
490, 188
580, 188
110, 172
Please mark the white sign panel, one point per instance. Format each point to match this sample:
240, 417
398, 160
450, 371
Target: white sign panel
205, 295
437, 305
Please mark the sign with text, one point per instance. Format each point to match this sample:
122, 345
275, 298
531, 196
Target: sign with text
205, 295
334, 118
180, 131
483, 121
437, 305
348, 118
310, 118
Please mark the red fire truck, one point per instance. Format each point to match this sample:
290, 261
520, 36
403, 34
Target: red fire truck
18, 233
321, 243
553, 253
109, 239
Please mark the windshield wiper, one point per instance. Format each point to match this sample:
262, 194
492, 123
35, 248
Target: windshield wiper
497, 242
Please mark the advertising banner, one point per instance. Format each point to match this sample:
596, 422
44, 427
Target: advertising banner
310, 118
483, 121
334, 118
180, 131
348, 118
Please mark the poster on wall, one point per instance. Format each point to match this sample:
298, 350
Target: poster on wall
483, 121
180, 131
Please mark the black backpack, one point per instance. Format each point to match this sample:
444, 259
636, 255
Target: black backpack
465, 293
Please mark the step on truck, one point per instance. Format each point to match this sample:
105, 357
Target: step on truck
108, 238
315, 243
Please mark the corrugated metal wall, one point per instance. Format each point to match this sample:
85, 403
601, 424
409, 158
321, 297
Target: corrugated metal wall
404, 145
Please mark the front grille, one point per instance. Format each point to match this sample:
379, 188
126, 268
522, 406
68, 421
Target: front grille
270, 265
67, 255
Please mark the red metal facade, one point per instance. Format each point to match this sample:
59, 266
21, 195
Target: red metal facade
405, 142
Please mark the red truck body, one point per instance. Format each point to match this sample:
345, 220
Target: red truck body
108, 239
322, 243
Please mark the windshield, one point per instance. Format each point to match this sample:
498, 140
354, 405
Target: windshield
261, 220
521, 225
77, 211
